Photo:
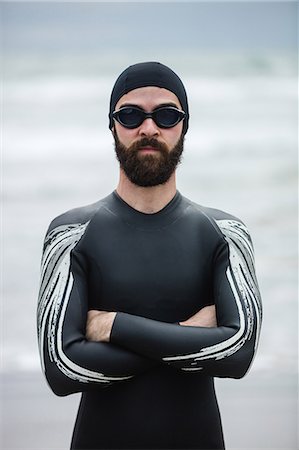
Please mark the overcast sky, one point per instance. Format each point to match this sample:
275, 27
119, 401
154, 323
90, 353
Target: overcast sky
92, 27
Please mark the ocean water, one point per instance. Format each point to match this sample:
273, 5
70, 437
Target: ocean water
240, 156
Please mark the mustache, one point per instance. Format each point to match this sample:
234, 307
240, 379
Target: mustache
146, 142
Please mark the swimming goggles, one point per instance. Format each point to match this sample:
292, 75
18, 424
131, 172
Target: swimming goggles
164, 117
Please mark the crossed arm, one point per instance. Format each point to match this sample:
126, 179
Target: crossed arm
99, 323
83, 350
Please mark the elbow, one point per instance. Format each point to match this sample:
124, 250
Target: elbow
58, 389
237, 366
59, 384
57, 379
234, 371
238, 373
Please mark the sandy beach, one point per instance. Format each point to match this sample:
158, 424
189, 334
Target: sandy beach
258, 412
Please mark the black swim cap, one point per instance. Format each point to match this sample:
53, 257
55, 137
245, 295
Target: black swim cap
149, 74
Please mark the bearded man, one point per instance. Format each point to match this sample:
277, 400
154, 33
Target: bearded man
145, 296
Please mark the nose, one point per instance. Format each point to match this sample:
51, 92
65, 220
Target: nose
149, 128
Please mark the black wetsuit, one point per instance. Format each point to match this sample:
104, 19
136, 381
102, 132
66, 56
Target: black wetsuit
154, 270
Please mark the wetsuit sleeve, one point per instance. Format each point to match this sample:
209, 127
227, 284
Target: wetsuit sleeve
224, 351
70, 362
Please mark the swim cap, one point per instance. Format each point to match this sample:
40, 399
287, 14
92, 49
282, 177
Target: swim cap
149, 74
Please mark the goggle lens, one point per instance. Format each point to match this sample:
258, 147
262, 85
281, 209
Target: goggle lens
132, 117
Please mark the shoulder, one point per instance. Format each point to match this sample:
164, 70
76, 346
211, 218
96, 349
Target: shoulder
79, 216
67, 229
212, 215
225, 224
232, 233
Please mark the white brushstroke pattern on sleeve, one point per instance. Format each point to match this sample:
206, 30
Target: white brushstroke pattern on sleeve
241, 277
55, 290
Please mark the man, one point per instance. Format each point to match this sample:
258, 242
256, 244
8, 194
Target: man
145, 293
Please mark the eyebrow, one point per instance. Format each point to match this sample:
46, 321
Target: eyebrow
161, 105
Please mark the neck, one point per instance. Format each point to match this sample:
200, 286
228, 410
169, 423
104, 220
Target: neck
148, 200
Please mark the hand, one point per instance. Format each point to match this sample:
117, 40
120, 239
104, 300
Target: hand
206, 317
99, 325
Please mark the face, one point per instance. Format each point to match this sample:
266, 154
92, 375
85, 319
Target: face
148, 154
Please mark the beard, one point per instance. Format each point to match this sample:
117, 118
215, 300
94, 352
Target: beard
149, 169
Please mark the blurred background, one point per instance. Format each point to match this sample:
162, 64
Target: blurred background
238, 61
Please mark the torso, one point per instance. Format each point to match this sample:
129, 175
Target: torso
158, 266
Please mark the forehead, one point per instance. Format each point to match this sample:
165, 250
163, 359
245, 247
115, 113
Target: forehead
148, 97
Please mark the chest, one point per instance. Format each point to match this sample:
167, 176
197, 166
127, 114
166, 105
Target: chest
160, 275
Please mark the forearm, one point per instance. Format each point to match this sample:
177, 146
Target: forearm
74, 364
100, 323
91, 366
186, 347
